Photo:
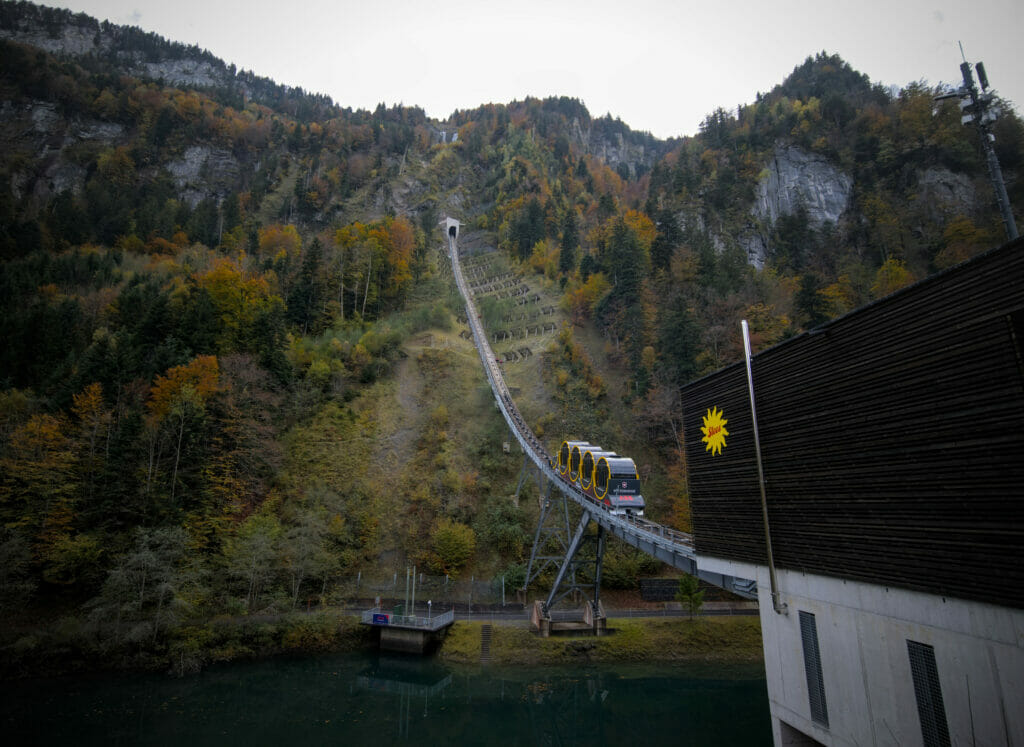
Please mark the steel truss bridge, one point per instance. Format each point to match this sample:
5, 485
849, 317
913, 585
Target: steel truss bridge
577, 548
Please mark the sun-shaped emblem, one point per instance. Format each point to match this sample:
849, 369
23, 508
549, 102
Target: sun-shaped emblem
714, 431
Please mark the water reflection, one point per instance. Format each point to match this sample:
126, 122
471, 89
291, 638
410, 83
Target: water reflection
410, 679
391, 700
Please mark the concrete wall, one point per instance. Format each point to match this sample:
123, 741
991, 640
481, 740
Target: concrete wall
862, 636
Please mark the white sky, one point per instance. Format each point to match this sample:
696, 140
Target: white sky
659, 65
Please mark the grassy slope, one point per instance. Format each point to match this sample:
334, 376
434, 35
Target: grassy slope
715, 639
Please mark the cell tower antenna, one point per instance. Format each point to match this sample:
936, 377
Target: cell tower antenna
980, 108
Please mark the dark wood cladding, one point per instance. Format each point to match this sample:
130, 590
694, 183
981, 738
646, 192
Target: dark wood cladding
893, 441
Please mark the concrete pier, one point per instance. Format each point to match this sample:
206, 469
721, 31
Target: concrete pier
409, 634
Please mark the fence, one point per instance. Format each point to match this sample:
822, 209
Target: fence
444, 592
430, 622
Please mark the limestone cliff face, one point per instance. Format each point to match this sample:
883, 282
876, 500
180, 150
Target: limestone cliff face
944, 194
794, 178
47, 140
203, 172
81, 36
37, 131
74, 39
613, 148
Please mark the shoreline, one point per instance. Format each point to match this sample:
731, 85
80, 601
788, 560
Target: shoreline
629, 640
58, 651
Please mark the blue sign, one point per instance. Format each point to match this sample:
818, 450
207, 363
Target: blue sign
380, 619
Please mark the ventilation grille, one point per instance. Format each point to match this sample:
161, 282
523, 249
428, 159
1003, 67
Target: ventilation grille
928, 692
812, 666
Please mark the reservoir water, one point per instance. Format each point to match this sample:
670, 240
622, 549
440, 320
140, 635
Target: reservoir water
380, 700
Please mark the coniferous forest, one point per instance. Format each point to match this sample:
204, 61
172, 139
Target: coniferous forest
231, 374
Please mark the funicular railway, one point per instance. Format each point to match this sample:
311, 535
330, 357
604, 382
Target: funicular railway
664, 543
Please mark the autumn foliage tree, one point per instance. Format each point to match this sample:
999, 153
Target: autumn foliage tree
178, 399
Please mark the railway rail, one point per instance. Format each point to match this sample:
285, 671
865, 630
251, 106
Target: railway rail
664, 543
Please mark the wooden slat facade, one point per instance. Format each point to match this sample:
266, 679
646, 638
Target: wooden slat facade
893, 441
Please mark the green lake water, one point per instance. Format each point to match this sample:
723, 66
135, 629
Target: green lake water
360, 699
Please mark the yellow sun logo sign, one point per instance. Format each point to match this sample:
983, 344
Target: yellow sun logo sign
714, 431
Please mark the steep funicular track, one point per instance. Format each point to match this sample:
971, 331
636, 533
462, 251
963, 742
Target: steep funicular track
664, 543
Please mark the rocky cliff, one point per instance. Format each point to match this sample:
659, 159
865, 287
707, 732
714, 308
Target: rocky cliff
80, 35
795, 179
792, 180
615, 148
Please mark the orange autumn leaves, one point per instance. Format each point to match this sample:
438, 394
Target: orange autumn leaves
198, 380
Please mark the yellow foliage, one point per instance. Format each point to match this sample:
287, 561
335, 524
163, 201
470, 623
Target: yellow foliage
276, 239
200, 377
963, 240
643, 227
238, 296
891, 276
767, 326
581, 300
648, 357
400, 244
116, 166
839, 297
360, 355
544, 258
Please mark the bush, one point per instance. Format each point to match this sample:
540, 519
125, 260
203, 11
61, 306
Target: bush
453, 543
690, 594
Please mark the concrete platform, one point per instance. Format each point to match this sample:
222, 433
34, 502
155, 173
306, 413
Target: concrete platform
408, 634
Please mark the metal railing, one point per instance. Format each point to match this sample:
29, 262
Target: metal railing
379, 616
669, 539
664, 543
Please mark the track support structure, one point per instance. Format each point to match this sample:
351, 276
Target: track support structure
578, 556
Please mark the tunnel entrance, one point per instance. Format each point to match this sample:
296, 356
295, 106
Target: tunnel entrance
452, 231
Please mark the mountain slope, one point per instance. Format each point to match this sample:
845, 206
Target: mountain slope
230, 346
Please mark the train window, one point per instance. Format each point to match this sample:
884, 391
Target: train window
601, 474
588, 470
574, 462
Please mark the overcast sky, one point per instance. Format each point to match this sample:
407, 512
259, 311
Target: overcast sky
659, 65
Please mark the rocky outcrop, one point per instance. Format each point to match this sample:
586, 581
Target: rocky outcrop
204, 172
756, 247
75, 40
80, 36
613, 148
39, 131
944, 194
184, 73
795, 179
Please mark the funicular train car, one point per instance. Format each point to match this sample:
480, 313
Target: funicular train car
603, 476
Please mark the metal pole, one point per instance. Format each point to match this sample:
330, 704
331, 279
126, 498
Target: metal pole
983, 115
780, 607
413, 591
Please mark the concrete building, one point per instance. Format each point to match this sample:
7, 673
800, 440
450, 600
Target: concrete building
876, 493
853, 663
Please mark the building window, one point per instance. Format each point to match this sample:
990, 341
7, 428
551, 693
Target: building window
928, 692
812, 666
